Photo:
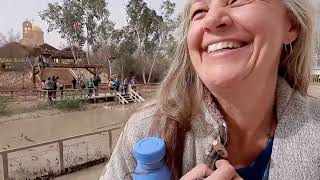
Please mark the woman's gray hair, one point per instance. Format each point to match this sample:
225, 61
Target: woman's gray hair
297, 63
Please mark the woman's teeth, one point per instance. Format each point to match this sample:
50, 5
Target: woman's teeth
223, 45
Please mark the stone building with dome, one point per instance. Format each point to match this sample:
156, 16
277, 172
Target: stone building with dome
32, 35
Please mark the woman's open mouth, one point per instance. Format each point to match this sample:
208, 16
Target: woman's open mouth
228, 50
225, 46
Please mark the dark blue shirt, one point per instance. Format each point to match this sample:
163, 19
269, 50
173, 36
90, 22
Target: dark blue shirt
257, 169
116, 83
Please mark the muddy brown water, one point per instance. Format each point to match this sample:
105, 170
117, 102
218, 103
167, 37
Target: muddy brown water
37, 127
18, 131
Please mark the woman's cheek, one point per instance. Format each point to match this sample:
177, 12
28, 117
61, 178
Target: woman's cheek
195, 36
257, 20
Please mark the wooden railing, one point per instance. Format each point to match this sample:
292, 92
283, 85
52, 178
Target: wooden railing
147, 88
135, 96
59, 142
121, 99
27, 94
14, 94
315, 79
77, 93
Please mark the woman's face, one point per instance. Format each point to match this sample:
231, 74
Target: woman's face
232, 40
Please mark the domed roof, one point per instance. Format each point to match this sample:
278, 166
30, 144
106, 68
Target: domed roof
36, 29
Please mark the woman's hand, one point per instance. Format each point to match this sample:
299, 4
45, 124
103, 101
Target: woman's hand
224, 171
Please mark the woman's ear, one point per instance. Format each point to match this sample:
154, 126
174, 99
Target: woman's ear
293, 31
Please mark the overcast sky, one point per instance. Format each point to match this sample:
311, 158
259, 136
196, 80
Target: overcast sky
14, 12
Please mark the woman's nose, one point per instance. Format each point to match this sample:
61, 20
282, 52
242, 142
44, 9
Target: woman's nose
217, 19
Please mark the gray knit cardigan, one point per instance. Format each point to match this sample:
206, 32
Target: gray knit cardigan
295, 152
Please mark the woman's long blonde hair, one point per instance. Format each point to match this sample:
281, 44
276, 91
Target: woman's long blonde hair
181, 91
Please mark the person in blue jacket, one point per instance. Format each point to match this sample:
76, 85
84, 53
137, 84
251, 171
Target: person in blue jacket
116, 84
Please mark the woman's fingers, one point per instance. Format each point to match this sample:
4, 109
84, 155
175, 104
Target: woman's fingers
224, 171
198, 172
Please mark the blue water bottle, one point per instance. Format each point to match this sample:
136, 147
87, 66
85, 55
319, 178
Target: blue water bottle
150, 153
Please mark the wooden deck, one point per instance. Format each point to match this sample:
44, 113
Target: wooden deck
77, 94
102, 96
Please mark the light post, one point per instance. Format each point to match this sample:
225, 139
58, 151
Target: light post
109, 58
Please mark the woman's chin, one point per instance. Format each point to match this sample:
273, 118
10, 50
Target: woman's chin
222, 80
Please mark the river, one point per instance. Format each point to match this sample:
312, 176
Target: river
37, 127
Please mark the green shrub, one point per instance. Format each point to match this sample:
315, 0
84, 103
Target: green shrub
4, 101
69, 103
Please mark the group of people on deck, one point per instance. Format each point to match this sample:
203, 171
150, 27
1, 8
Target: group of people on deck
114, 85
92, 85
52, 85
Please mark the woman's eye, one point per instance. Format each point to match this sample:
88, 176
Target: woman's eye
237, 3
198, 14
232, 1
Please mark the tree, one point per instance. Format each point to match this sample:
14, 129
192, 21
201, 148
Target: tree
78, 21
96, 18
149, 31
3, 39
122, 46
10, 37
144, 45
13, 36
62, 18
164, 47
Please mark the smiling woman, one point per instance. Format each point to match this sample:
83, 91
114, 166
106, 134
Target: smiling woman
237, 91
249, 28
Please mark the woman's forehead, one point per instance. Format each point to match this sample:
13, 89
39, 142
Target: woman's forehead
194, 1
205, 1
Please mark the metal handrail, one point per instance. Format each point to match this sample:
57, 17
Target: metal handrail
5, 153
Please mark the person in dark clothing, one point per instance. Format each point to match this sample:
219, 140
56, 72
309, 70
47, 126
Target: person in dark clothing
74, 83
91, 87
125, 86
55, 87
116, 85
96, 82
50, 87
82, 86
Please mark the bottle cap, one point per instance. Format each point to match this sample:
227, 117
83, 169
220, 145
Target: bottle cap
150, 149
